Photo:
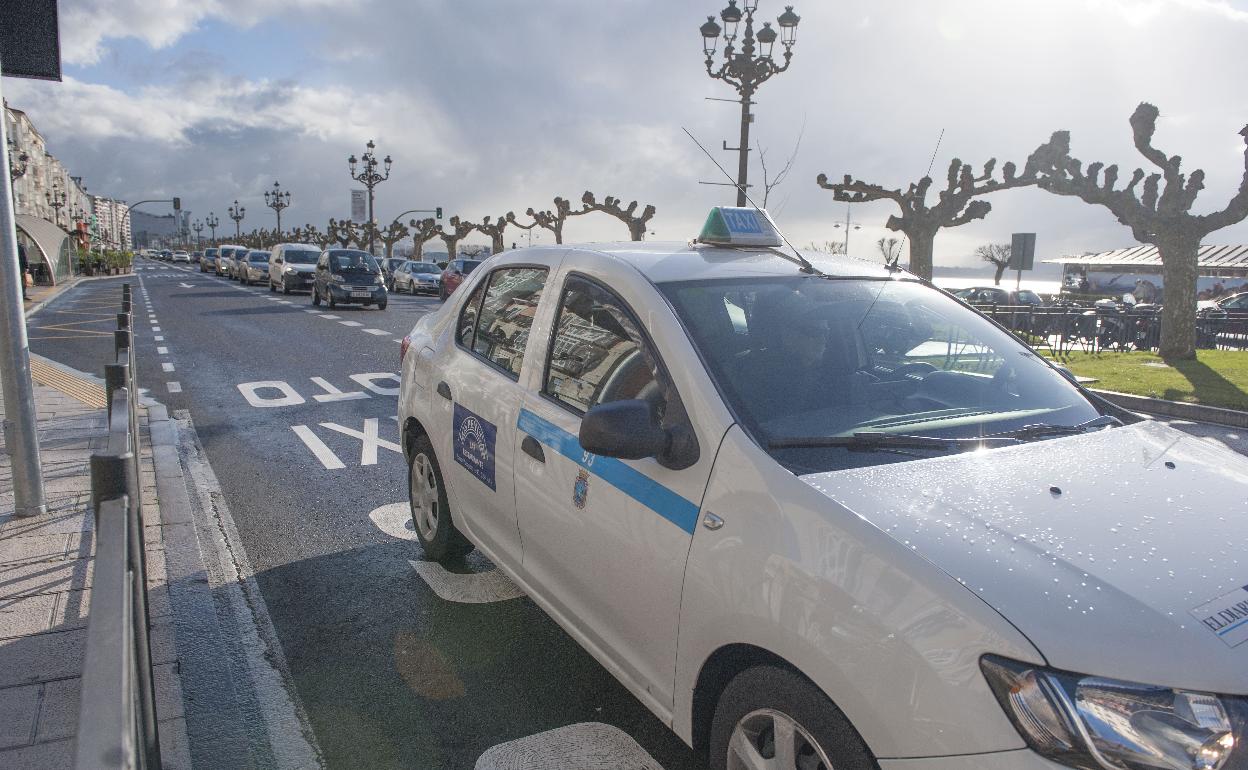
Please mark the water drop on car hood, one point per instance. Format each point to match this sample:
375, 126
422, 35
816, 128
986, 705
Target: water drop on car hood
1102, 575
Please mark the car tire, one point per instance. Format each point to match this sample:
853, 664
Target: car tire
333, 303
382, 305
316, 297
431, 511
272, 288
411, 288
285, 287
762, 699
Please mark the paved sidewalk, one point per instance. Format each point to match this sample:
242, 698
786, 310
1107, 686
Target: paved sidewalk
45, 589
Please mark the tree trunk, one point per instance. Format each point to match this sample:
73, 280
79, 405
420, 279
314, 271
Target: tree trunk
1178, 315
921, 244
418, 252
1000, 272
496, 243
636, 230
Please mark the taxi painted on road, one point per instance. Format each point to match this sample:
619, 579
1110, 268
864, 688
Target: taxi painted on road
814, 512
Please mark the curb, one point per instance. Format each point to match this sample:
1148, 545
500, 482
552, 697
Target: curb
61, 288
1196, 412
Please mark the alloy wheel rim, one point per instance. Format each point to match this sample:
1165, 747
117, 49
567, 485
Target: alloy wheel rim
424, 494
767, 739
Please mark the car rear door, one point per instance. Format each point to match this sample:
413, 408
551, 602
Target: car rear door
606, 540
477, 400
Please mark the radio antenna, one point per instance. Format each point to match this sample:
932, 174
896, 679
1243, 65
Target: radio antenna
797, 257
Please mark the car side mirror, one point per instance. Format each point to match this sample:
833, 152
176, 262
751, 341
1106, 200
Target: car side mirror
628, 430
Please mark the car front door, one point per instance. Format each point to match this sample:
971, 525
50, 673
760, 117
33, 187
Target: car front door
477, 402
606, 540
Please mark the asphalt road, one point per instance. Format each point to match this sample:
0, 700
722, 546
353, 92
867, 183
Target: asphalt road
295, 409
389, 674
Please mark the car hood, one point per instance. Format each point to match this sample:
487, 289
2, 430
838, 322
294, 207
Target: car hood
1111, 551
301, 268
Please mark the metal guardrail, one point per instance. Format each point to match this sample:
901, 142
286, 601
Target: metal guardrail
1089, 329
117, 715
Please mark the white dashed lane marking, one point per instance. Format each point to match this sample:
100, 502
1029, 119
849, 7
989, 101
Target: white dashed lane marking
162, 351
329, 317
174, 387
350, 323
159, 338
168, 367
377, 332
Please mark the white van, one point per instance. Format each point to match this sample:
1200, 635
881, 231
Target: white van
293, 267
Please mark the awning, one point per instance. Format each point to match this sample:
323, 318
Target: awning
50, 241
1209, 258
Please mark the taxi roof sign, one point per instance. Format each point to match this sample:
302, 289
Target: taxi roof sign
729, 226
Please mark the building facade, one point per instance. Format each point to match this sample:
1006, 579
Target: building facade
111, 225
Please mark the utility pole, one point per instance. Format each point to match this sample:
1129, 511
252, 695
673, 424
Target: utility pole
21, 427
371, 178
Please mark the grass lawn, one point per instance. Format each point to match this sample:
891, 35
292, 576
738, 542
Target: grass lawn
1215, 378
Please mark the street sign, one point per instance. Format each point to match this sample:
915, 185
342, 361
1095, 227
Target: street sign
1022, 251
359, 206
30, 46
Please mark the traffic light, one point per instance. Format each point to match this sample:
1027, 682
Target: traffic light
439, 212
177, 204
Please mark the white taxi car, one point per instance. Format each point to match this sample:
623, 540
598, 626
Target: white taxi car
816, 513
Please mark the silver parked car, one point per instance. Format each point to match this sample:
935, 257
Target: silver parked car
253, 267
413, 277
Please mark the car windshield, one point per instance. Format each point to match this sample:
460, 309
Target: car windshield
803, 360
258, 256
424, 267
470, 265
300, 256
342, 260
1028, 297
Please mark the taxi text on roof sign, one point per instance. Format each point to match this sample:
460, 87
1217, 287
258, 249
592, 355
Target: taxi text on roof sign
739, 227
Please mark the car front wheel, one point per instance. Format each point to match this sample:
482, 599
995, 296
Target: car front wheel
316, 297
773, 717
431, 512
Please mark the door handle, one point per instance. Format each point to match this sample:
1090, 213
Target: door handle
533, 449
444, 390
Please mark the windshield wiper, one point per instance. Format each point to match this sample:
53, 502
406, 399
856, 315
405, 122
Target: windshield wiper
869, 441
1042, 430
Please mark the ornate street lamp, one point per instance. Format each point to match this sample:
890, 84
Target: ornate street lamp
18, 162
212, 222
236, 213
743, 69
370, 177
57, 199
277, 200
198, 227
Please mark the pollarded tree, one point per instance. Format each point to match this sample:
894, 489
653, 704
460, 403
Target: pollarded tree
996, 254
459, 231
495, 230
553, 220
956, 205
392, 234
312, 235
341, 232
423, 230
1160, 215
636, 224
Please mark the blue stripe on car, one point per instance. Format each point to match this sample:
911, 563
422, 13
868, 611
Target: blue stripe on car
620, 475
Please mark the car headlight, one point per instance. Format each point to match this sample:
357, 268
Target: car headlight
1105, 724
288, 270
380, 281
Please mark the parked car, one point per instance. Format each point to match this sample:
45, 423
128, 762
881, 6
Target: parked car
209, 262
454, 275
995, 295
293, 267
166, 255
254, 268
196, 256
349, 276
180, 256
225, 259
806, 529
1232, 306
413, 277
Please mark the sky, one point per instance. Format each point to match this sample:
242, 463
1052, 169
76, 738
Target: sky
488, 106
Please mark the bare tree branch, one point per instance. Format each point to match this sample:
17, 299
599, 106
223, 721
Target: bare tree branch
636, 223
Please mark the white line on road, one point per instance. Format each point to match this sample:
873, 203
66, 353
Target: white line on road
159, 338
174, 387
368, 452
472, 588
350, 323
330, 317
168, 367
186, 285
155, 328
585, 746
332, 393
313, 312
376, 332
322, 452
162, 351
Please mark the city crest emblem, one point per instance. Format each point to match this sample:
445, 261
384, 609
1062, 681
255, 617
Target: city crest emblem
580, 489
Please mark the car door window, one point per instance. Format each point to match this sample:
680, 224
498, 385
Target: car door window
597, 353
468, 317
506, 315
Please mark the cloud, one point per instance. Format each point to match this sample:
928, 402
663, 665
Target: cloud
87, 26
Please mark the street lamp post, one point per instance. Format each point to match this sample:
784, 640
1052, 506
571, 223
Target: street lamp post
212, 222
198, 227
57, 199
237, 213
743, 70
370, 177
277, 200
848, 226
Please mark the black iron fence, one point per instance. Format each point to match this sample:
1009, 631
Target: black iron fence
117, 715
1093, 329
